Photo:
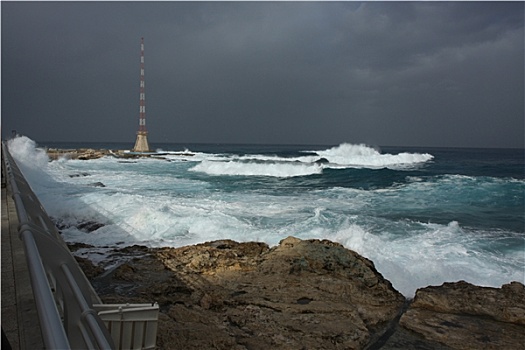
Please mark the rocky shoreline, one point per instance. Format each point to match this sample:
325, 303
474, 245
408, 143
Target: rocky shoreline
302, 294
90, 153
80, 153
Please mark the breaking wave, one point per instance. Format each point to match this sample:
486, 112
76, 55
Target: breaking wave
339, 157
287, 169
31, 160
367, 157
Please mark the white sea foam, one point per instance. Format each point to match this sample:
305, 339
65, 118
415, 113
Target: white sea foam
368, 157
340, 157
436, 254
31, 160
282, 169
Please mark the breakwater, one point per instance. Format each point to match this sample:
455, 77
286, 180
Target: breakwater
80, 153
92, 153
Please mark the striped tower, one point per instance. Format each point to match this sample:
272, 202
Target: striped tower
141, 145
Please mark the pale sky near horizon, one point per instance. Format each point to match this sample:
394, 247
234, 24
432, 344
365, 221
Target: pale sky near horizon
448, 74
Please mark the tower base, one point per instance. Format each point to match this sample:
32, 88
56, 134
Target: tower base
141, 145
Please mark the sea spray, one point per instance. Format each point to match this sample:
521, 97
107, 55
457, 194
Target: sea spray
435, 253
368, 157
280, 169
31, 160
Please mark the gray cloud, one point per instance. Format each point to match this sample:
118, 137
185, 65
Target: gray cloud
414, 73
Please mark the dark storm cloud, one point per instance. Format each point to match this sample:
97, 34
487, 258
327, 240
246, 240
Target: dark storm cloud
414, 73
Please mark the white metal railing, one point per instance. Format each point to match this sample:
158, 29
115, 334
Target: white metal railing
71, 314
64, 297
132, 326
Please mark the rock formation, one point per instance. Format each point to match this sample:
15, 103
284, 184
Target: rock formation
304, 294
463, 316
81, 153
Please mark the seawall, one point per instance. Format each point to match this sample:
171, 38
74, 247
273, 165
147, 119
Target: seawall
20, 323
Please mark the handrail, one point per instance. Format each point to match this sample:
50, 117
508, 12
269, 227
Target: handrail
53, 332
63, 295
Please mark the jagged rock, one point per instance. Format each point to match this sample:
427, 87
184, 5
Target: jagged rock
228, 295
132, 250
79, 175
141, 280
85, 226
463, 316
89, 226
97, 184
304, 294
90, 270
73, 247
81, 153
87, 154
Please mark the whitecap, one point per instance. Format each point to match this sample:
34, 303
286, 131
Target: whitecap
281, 169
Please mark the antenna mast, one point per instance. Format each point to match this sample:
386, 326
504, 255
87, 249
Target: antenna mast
141, 145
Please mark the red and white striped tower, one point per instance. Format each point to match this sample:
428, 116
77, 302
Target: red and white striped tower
141, 145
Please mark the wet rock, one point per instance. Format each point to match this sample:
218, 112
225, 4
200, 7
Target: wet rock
132, 250
90, 270
73, 247
464, 316
79, 175
89, 226
60, 224
85, 226
142, 280
97, 184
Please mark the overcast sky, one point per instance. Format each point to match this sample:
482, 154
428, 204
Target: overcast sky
385, 74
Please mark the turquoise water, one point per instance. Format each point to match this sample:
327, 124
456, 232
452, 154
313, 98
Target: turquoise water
424, 216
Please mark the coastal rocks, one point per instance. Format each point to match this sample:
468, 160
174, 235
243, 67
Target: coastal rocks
79, 175
125, 156
87, 226
90, 270
463, 316
303, 294
97, 184
93, 184
81, 153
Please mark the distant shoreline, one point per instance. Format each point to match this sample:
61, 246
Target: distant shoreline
92, 153
80, 153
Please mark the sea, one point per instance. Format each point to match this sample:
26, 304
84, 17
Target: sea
424, 216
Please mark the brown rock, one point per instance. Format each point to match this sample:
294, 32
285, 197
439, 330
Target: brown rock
301, 294
81, 153
304, 294
463, 316
90, 270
